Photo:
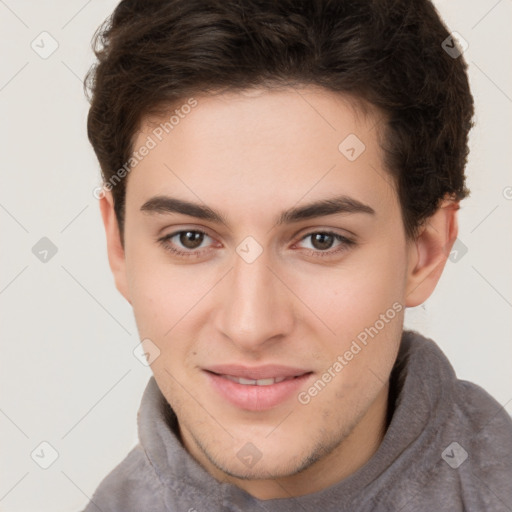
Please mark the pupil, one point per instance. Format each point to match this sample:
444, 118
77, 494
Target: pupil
322, 241
191, 239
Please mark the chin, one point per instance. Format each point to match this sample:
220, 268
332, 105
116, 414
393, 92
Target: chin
273, 461
265, 470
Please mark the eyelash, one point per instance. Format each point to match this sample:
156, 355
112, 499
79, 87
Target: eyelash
345, 244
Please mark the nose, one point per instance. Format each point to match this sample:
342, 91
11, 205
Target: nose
254, 307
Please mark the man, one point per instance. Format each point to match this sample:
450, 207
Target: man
281, 181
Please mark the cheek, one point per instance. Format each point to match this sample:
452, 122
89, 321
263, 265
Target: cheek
153, 303
156, 294
352, 295
166, 297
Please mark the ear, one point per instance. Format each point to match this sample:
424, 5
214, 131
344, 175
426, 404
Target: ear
116, 256
429, 251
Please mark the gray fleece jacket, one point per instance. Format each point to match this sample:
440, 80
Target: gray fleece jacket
448, 447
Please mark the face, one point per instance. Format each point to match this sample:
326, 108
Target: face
263, 243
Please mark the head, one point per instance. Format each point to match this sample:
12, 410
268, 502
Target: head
281, 183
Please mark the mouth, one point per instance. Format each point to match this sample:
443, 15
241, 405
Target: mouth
257, 388
256, 382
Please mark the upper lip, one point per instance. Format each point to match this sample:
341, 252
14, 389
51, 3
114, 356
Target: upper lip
268, 371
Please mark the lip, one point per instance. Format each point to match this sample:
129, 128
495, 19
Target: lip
253, 397
267, 371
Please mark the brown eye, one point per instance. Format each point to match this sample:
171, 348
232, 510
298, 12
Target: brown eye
322, 241
326, 243
186, 243
191, 239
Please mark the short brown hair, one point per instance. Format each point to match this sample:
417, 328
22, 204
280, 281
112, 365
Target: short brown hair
155, 53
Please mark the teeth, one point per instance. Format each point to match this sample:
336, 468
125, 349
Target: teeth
253, 382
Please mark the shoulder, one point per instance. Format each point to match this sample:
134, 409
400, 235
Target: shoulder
477, 448
485, 423
479, 407
133, 485
462, 458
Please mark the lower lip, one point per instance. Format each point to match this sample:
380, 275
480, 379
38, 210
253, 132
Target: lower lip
257, 398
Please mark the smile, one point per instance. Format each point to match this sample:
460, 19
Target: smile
256, 389
258, 382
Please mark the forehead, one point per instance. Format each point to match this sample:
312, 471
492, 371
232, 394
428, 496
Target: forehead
276, 146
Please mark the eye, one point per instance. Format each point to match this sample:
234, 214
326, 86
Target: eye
188, 239
322, 241
191, 242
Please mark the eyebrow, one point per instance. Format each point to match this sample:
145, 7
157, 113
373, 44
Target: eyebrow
331, 206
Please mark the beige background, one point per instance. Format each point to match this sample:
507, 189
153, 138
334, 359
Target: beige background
68, 374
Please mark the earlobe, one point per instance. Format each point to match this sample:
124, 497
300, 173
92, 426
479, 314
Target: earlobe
115, 250
429, 251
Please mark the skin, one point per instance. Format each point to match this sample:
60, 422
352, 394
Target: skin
250, 156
